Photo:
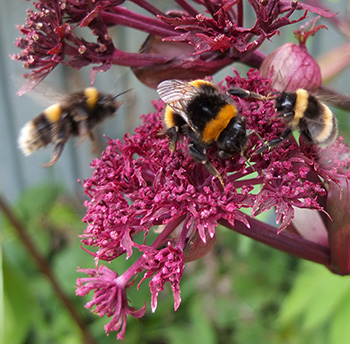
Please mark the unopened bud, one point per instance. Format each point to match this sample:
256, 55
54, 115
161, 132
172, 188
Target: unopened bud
292, 67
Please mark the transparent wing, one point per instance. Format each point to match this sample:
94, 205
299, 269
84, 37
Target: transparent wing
174, 90
177, 94
44, 94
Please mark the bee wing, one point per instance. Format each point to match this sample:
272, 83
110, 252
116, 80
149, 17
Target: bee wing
44, 94
174, 90
177, 94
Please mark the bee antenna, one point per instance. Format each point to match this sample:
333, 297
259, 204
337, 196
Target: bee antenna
119, 94
282, 80
272, 95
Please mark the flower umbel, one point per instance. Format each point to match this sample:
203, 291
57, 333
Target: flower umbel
140, 187
212, 39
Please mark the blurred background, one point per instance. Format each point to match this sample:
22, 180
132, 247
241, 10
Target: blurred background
241, 292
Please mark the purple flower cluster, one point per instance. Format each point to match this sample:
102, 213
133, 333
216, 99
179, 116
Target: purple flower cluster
140, 187
110, 297
211, 39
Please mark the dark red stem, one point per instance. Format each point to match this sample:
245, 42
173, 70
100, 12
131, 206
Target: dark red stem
288, 242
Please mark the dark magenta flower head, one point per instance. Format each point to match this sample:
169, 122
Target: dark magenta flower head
291, 66
193, 42
167, 207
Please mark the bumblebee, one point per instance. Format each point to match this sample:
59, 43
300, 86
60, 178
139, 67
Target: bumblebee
76, 115
302, 111
200, 111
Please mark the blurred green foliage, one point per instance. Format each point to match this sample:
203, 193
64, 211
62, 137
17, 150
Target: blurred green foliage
242, 292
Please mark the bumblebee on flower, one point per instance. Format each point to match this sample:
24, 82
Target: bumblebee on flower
140, 186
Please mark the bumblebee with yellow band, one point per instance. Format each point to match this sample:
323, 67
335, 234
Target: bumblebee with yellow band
77, 115
302, 111
206, 115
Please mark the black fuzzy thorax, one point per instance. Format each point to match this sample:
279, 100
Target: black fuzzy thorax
205, 106
76, 110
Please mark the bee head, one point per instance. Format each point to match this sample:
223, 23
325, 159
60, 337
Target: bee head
285, 102
109, 103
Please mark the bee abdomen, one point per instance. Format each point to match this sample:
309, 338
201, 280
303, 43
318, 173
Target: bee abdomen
36, 134
329, 132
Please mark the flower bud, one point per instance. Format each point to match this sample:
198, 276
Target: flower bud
292, 67
196, 248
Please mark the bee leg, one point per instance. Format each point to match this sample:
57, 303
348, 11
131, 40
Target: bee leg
80, 113
83, 130
274, 142
242, 93
94, 142
245, 94
203, 159
173, 136
56, 153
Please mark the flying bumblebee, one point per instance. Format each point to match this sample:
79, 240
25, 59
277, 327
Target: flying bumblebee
302, 111
76, 115
206, 115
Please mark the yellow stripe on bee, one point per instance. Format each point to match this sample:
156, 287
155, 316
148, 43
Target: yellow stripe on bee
214, 127
53, 113
328, 128
199, 82
91, 95
169, 117
301, 104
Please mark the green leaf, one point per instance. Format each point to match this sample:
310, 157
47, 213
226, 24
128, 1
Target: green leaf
203, 331
20, 305
339, 327
36, 201
314, 297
